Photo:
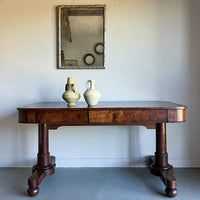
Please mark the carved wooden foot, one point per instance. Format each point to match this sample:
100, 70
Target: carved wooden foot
166, 175
38, 175
33, 191
171, 192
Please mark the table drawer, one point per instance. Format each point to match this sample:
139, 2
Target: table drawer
62, 117
127, 116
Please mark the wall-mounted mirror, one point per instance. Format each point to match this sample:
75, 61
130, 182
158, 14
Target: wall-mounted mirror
80, 31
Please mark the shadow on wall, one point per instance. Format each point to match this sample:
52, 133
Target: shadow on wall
15, 142
137, 136
134, 146
194, 63
178, 47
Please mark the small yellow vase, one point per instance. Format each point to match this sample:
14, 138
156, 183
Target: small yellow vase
71, 95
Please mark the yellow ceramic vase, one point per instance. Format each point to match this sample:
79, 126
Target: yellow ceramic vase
71, 95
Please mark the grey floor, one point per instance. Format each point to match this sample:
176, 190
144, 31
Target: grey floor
98, 184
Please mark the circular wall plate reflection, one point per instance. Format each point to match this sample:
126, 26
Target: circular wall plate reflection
98, 48
89, 59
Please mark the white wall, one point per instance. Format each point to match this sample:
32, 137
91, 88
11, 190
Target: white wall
152, 53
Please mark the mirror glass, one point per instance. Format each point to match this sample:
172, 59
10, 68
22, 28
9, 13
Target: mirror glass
80, 33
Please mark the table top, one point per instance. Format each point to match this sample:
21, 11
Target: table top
106, 104
105, 113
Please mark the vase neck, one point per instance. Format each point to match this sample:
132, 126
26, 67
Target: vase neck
92, 84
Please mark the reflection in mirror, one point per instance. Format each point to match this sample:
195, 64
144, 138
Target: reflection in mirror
80, 37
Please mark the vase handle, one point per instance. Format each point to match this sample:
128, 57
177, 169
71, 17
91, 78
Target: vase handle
74, 88
87, 84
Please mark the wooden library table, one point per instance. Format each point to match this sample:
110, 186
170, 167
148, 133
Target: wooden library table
151, 114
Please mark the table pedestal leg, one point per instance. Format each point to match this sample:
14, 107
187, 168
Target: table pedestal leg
160, 166
45, 163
